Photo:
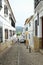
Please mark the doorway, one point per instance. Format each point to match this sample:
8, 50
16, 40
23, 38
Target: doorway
42, 32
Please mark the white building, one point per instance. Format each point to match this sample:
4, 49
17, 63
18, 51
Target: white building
26, 28
29, 31
7, 21
38, 24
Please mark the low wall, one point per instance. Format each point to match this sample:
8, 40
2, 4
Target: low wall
37, 43
5, 45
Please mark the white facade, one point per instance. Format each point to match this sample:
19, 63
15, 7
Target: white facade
26, 35
38, 25
39, 10
5, 21
30, 35
30, 31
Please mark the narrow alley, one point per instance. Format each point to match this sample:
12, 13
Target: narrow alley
19, 55
21, 32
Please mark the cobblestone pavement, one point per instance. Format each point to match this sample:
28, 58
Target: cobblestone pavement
19, 55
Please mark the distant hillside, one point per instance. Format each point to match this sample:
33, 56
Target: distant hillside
19, 29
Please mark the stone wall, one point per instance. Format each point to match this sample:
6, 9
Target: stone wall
5, 45
37, 43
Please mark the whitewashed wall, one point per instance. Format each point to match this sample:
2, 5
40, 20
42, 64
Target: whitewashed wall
2, 12
39, 10
30, 30
5, 23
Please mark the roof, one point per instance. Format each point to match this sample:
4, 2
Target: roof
28, 19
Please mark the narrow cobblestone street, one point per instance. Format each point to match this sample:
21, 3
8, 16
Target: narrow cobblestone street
19, 55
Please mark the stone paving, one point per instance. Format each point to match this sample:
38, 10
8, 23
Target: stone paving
19, 55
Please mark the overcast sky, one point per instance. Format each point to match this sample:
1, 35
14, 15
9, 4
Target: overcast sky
22, 9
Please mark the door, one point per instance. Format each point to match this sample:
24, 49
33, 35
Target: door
1, 36
42, 32
6, 34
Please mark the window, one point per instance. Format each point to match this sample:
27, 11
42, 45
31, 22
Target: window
29, 23
12, 22
9, 16
10, 33
29, 36
6, 34
0, 4
26, 28
38, 19
36, 27
13, 32
1, 35
5, 10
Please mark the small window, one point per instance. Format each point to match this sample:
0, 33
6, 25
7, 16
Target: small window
9, 16
6, 34
30, 24
5, 10
38, 19
26, 28
36, 27
13, 32
10, 33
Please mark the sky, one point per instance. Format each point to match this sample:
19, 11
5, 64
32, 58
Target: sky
22, 10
